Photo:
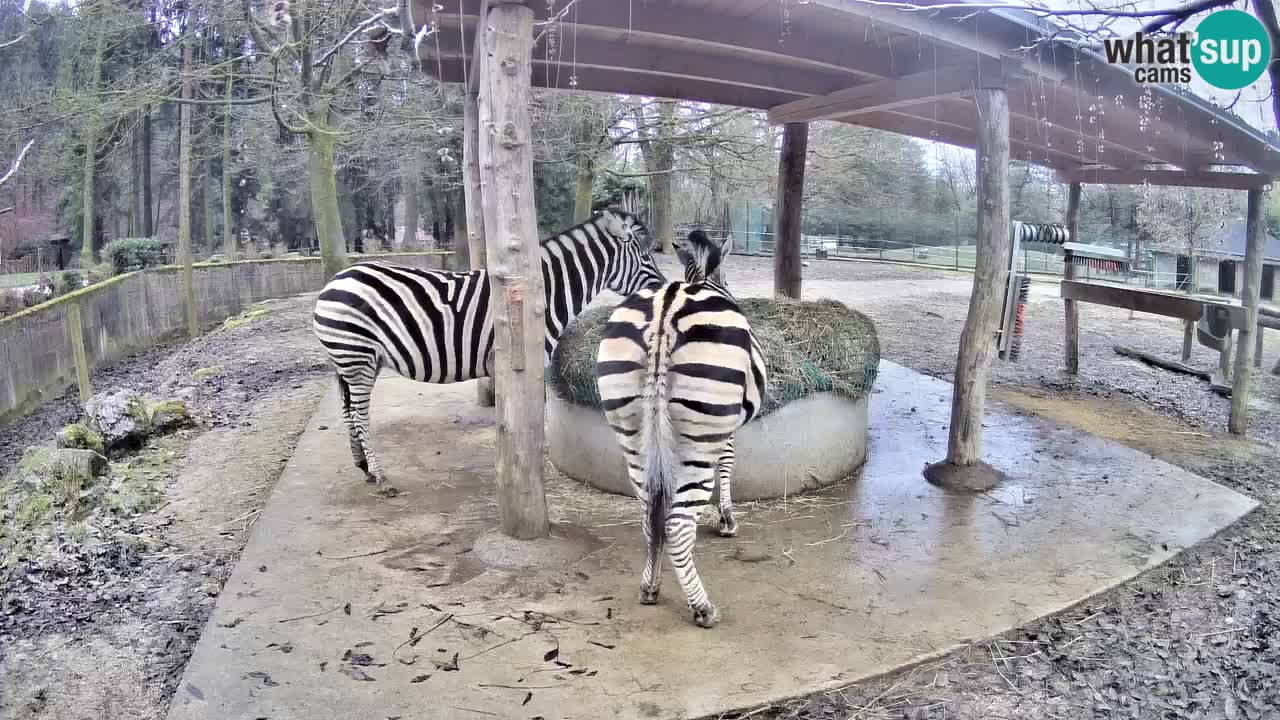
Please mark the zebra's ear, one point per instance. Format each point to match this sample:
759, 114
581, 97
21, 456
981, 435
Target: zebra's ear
726, 247
613, 225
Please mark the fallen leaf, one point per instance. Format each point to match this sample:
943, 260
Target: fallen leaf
551, 654
232, 624
195, 691
420, 678
356, 673
527, 697
606, 646
347, 608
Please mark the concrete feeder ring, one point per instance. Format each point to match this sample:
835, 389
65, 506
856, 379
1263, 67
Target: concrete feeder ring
822, 360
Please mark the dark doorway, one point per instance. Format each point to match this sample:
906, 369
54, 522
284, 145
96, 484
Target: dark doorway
1268, 281
1227, 277
1183, 273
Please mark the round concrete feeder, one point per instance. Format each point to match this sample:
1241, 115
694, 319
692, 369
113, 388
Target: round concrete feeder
822, 360
808, 443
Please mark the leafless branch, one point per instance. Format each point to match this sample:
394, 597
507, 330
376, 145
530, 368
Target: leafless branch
16, 163
375, 19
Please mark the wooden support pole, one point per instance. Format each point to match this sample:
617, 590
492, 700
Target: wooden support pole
786, 224
973, 362
1072, 339
515, 265
1242, 378
474, 208
1188, 338
75, 333
1257, 348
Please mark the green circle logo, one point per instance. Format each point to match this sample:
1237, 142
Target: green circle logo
1232, 49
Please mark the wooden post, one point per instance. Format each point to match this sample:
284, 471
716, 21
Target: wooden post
1069, 273
184, 198
75, 333
1257, 349
786, 223
474, 209
1242, 377
515, 265
973, 363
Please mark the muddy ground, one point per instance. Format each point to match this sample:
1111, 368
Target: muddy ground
1198, 638
103, 628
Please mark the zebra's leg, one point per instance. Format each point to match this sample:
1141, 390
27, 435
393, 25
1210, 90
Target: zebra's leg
681, 533
724, 475
361, 390
654, 535
357, 450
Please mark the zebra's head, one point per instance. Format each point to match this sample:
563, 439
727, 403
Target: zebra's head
633, 267
703, 257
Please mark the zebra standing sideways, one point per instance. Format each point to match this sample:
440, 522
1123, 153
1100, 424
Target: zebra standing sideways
435, 326
679, 371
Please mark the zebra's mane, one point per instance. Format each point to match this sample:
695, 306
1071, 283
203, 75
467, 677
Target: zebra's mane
701, 257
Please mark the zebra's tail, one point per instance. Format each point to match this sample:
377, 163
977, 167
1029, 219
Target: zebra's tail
659, 451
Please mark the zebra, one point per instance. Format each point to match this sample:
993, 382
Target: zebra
679, 371
435, 326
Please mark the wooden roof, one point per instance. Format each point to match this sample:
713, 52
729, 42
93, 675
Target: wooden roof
908, 72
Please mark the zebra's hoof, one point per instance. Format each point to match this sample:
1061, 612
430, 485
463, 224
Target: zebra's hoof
386, 491
706, 617
369, 478
648, 596
728, 528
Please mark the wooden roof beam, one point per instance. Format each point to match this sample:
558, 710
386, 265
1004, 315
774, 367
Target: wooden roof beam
940, 27
576, 51
1175, 178
891, 93
734, 36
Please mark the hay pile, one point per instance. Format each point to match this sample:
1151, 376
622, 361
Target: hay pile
809, 347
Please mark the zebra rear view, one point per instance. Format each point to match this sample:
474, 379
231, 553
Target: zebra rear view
435, 326
679, 372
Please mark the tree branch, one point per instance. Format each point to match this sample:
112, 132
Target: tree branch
16, 163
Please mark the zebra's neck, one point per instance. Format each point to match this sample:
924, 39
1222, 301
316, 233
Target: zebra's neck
576, 266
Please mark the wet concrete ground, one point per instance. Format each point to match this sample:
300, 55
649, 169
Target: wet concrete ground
413, 608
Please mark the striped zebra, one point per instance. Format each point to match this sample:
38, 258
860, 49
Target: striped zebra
435, 326
679, 371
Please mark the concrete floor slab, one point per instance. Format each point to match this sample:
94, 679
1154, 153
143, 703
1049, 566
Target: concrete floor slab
318, 619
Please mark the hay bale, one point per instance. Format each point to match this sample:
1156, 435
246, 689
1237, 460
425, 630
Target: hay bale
808, 347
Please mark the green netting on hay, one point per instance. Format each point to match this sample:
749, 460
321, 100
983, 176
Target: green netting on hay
809, 347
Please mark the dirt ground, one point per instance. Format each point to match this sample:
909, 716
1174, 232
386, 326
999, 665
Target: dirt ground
1197, 638
106, 632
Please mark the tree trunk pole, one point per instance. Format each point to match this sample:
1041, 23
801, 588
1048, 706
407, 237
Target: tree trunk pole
973, 363
411, 172
1069, 273
228, 225
473, 200
786, 234
87, 220
184, 190
324, 196
147, 220
515, 266
1242, 376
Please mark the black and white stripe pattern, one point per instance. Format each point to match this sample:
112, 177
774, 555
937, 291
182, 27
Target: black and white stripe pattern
435, 326
679, 371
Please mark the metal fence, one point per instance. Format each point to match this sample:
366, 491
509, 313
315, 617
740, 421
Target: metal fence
959, 256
